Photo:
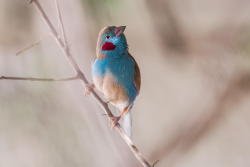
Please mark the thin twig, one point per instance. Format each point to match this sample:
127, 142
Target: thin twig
38, 79
60, 23
65, 48
28, 47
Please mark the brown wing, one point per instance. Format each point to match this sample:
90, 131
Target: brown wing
137, 77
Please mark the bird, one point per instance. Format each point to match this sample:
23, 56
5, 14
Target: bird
116, 74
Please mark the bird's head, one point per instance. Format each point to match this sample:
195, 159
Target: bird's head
112, 42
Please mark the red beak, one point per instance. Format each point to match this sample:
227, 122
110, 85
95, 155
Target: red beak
108, 46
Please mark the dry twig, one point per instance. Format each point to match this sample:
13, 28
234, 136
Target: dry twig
38, 79
28, 47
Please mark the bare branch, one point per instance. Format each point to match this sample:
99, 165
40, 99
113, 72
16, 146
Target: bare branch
59, 14
38, 79
65, 48
28, 47
57, 38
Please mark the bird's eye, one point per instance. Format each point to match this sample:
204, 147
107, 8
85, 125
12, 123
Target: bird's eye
107, 37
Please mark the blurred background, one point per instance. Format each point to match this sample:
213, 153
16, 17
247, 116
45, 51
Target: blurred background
194, 105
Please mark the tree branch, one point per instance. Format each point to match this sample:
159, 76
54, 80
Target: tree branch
66, 50
27, 48
60, 23
38, 79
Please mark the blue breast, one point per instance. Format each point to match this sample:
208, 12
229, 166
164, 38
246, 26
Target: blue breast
123, 70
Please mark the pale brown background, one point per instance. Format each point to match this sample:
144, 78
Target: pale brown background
194, 105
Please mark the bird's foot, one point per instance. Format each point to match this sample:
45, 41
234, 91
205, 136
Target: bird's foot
88, 89
114, 121
108, 101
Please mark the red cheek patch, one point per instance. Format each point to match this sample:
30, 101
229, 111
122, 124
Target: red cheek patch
108, 46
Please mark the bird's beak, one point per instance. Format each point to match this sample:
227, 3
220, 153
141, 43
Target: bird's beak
119, 30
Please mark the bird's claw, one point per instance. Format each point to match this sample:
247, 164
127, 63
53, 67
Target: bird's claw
114, 121
88, 89
108, 101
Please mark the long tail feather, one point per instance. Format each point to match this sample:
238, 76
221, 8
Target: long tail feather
126, 123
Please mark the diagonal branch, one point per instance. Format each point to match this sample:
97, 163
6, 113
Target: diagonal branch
65, 48
38, 79
27, 48
59, 14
